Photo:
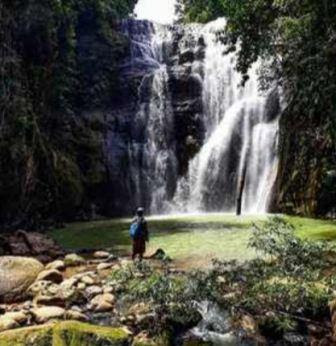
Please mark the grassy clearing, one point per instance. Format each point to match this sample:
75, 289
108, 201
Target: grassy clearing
190, 239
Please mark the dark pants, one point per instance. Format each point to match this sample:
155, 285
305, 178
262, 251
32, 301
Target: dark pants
139, 247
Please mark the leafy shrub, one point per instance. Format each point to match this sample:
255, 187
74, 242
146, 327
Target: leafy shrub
171, 297
276, 239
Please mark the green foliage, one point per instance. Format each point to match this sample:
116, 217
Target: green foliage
281, 289
276, 238
46, 78
289, 284
170, 297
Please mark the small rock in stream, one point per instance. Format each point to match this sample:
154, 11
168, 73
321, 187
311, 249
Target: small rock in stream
52, 275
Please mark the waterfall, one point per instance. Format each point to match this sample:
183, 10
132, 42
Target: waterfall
238, 134
151, 151
239, 139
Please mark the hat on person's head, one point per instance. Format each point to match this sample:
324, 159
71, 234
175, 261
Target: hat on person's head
140, 211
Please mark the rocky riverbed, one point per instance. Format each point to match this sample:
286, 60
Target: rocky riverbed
73, 289
72, 298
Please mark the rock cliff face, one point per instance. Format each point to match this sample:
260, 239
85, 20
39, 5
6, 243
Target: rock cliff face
153, 127
177, 111
307, 178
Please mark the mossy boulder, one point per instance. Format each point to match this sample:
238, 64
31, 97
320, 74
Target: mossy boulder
69, 333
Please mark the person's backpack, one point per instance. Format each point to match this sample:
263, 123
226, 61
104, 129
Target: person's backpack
136, 229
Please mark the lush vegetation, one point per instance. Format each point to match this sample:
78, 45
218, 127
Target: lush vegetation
296, 40
287, 288
49, 74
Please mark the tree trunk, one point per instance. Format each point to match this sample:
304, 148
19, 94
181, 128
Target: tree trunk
241, 185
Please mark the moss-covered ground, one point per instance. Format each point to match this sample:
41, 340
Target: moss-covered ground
66, 333
188, 239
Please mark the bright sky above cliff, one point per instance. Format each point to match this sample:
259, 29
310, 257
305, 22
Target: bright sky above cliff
160, 11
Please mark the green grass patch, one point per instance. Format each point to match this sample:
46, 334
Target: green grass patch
196, 238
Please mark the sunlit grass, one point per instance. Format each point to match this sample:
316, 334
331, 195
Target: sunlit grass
193, 239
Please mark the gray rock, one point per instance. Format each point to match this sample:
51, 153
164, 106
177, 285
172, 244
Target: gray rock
93, 291
45, 314
101, 254
104, 266
88, 280
7, 323
58, 265
55, 300
73, 260
76, 316
19, 317
52, 275
16, 275
102, 303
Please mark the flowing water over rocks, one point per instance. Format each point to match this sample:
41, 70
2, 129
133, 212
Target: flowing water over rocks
185, 134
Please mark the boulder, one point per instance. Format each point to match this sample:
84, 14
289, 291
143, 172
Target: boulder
49, 300
93, 291
33, 244
19, 317
52, 275
102, 303
16, 275
58, 265
68, 288
101, 254
76, 316
65, 333
73, 260
48, 313
7, 323
104, 266
87, 280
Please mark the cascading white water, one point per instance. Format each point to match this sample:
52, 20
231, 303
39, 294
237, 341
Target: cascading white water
238, 133
151, 152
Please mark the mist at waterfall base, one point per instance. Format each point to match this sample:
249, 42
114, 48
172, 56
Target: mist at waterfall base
236, 131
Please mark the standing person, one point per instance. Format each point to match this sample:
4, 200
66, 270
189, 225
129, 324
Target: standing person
139, 234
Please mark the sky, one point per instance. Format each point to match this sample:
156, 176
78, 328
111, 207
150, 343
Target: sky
160, 11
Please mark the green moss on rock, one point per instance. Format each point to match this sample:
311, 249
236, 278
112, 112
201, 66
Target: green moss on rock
69, 333
31, 336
